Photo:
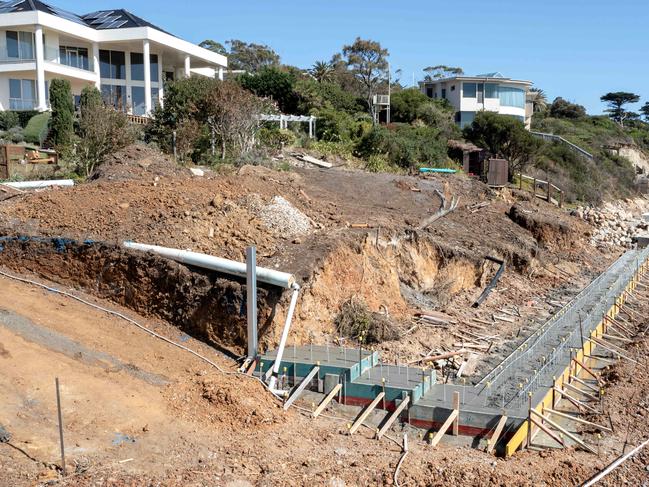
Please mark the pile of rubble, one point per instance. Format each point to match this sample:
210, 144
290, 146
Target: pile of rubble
616, 223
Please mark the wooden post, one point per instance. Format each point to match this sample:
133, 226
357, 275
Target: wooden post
520, 181
499, 429
397, 412
456, 407
560, 198
58, 407
327, 400
534, 186
365, 413
549, 191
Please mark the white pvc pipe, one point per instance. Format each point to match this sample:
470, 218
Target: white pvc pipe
40, 184
282, 343
268, 276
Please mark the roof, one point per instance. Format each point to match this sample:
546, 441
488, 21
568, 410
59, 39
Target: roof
496, 76
100, 20
30, 5
116, 19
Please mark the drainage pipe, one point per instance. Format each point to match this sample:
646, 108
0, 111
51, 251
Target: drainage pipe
40, 184
280, 351
268, 276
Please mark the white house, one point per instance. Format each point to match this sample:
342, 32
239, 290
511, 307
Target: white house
491, 92
124, 56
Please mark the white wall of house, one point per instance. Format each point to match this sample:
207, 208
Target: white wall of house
173, 55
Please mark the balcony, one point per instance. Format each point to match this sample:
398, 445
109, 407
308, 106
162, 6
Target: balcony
64, 57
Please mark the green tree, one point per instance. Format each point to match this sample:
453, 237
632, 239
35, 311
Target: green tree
102, 131
561, 108
250, 57
321, 71
368, 62
214, 46
503, 136
441, 71
539, 99
616, 101
271, 82
405, 104
231, 113
62, 122
645, 111
90, 96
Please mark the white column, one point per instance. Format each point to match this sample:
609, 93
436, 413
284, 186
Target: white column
147, 78
161, 85
128, 88
221, 73
96, 64
188, 67
40, 70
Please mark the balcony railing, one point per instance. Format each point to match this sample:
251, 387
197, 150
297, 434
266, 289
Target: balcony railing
53, 56
21, 104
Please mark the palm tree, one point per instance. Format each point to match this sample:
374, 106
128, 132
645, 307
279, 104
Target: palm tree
321, 71
539, 99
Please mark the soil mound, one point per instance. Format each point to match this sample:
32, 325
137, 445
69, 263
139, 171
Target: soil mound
137, 162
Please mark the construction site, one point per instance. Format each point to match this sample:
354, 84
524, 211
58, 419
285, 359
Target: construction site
317, 325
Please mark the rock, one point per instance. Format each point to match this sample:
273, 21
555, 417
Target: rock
217, 201
124, 206
197, 172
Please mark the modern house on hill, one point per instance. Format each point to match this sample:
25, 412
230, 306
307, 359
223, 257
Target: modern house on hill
491, 92
124, 56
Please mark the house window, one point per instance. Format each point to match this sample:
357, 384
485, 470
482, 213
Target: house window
470, 90
512, 97
429, 92
155, 97
155, 73
452, 87
113, 95
20, 45
444, 93
76, 57
22, 94
112, 64
491, 90
137, 67
138, 100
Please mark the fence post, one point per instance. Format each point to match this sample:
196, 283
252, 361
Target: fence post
535, 187
520, 181
549, 191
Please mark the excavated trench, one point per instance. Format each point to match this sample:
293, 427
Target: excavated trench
203, 304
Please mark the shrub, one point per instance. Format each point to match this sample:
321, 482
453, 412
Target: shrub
102, 130
405, 146
355, 320
25, 116
36, 129
276, 139
405, 105
16, 135
561, 108
62, 124
9, 120
271, 82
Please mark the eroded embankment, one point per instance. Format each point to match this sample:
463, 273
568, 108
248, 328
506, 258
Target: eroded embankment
203, 304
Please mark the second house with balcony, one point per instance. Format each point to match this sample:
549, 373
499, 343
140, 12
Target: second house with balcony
127, 58
490, 92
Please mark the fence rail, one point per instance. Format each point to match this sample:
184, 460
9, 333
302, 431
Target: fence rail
544, 193
558, 138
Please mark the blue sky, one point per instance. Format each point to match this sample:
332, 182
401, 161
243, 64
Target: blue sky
578, 49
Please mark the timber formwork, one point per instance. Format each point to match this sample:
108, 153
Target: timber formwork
530, 375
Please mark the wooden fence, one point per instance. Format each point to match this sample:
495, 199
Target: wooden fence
542, 189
